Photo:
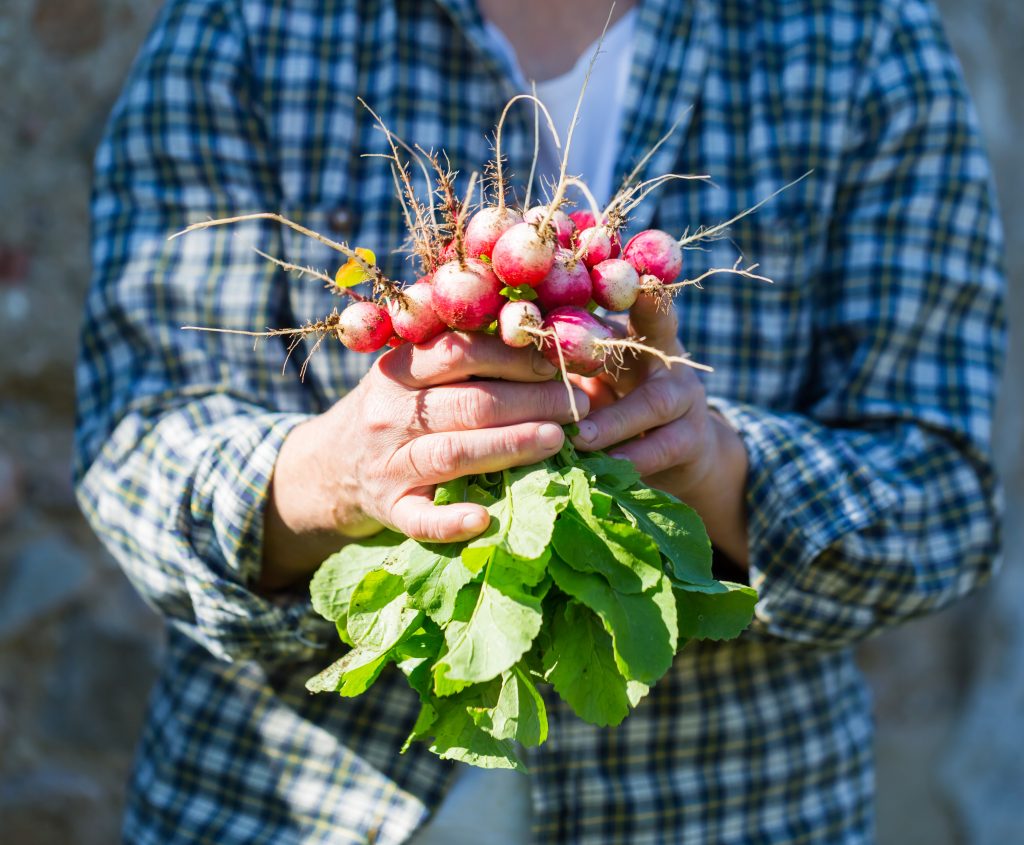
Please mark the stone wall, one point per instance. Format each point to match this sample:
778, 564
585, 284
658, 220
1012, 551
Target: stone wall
78, 650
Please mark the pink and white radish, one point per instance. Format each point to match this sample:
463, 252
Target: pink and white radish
518, 323
567, 283
412, 313
656, 253
564, 227
578, 342
616, 284
595, 245
467, 297
364, 327
583, 218
577, 334
521, 256
486, 226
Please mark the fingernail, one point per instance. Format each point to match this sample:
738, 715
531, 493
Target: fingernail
549, 436
588, 431
542, 366
619, 456
475, 522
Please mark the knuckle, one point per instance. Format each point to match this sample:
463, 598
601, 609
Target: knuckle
473, 408
663, 454
553, 402
514, 441
662, 402
444, 457
450, 351
681, 446
615, 423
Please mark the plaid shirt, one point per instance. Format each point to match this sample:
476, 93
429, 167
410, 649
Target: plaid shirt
861, 381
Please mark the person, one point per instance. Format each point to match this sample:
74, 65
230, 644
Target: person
839, 452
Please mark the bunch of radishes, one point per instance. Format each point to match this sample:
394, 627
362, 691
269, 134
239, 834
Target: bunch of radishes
533, 278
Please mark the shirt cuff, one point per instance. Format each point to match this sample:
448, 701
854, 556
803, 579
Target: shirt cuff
225, 531
806, 490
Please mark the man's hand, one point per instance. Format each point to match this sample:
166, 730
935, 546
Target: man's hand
416, 420
659, 419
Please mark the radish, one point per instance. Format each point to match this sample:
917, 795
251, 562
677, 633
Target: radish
521, 256
616, 284
412, 313
655, 252
564, 227
595, 245
364, 327
568, 283
578, 335
583, 219
468, 296
518, 323
449, 253
486, 226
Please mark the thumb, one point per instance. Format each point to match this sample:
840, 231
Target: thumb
654, 318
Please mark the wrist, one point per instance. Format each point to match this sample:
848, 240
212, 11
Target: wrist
717, 488
312, 507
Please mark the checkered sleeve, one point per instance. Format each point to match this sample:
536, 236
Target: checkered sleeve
177, 431
878, 502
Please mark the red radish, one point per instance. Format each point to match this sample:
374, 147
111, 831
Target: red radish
521, 256
449, 253
583, 219
595, 245
467, 298
413, 316
486, 226
578, 334
515, 320
655, 252
616, 284
564, 227
568, 283
397, 341
364, 327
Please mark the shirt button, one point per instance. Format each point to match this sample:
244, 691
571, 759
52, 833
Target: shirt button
339, 220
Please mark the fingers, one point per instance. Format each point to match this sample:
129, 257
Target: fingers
598, 391
453, 357
677, 444
650, 319
654, 403
434, 458
416, 516
490, 404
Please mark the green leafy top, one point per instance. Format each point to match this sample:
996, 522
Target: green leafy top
586, 580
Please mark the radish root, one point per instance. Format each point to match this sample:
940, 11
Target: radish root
615, 349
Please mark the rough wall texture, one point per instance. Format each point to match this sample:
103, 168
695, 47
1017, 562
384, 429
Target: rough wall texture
78, 650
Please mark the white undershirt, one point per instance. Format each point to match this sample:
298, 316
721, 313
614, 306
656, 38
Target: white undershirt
494, 801
595, 143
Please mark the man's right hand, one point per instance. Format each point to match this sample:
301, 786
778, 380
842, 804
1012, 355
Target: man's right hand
421, 416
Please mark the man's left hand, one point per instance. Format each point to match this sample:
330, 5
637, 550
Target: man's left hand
658, 418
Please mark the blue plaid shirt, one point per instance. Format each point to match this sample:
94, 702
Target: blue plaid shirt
861, 381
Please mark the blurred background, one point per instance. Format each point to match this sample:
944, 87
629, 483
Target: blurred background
78, 650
